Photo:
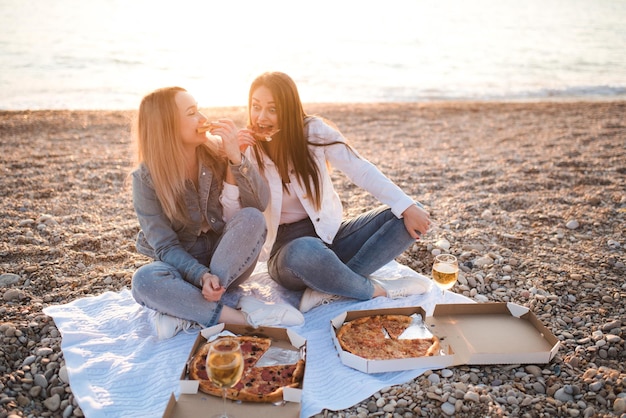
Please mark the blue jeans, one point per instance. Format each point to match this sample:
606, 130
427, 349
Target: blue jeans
300, 259
231, 257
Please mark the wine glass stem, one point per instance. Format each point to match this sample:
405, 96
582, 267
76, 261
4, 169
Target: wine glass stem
225, 415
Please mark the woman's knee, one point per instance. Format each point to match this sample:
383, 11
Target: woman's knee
139, 283
304, 251
252, 219
145, 276
250, 215
141, 276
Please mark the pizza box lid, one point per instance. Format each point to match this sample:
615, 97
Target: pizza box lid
193, 402
470, 334
391, 365
493, 333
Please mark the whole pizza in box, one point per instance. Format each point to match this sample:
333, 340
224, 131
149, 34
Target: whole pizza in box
384, 337
258, 383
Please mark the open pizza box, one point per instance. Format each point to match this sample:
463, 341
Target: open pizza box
192, 402
469, 333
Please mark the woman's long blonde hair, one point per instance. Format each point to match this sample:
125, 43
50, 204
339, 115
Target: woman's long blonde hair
160, 148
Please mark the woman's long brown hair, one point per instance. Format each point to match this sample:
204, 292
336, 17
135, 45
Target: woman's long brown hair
289, 150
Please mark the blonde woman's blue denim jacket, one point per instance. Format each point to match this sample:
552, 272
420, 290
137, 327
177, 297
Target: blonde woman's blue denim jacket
169, 241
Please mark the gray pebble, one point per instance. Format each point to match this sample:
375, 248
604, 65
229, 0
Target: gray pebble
563, 396
371, 406
447, 408
8, 279
573, 224
63, 375
596, 386
539, 387
53, 403
40, 380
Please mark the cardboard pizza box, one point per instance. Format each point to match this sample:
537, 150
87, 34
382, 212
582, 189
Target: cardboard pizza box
192, 402
392, 365
470, 334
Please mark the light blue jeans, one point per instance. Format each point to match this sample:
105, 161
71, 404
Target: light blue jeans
300, 259
231, 257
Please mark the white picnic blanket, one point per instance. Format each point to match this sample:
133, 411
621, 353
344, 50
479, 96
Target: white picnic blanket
118, 368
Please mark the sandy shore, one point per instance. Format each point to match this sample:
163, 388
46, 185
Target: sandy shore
532, 197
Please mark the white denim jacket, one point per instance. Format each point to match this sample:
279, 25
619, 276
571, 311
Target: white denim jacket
328, 218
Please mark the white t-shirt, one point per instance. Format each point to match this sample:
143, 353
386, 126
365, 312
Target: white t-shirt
230, 201
292, 210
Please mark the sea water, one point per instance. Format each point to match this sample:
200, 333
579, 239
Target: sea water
106, 54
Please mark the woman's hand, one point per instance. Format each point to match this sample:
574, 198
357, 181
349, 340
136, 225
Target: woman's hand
416, 221
227, 130
245, 139
212, 290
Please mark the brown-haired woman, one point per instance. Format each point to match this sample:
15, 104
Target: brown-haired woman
309, 245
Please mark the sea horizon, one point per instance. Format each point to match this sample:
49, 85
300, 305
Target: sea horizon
107, 54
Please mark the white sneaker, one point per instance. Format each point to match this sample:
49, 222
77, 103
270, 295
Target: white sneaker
312, 299
167, 326
259, 313
403, 286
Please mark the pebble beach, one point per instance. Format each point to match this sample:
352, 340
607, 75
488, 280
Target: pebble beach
531, 197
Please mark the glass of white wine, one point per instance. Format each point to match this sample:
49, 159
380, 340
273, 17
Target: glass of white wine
224, 365
445, 271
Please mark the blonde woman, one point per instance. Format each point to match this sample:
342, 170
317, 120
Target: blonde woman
181, 179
